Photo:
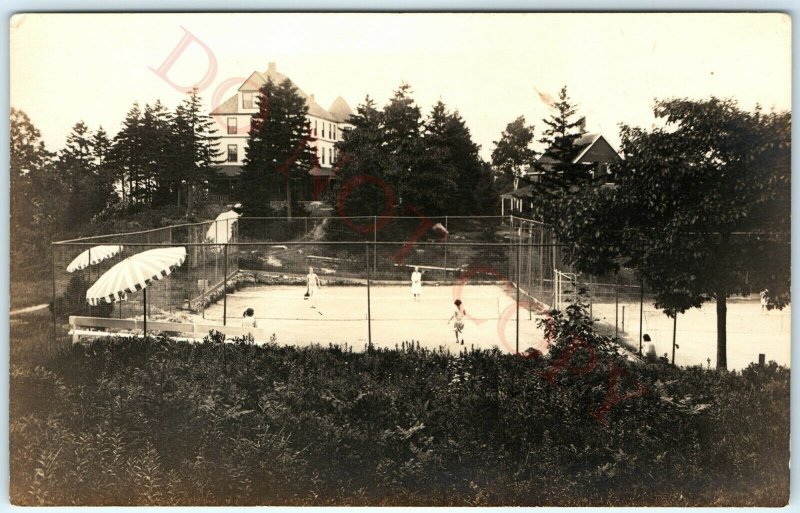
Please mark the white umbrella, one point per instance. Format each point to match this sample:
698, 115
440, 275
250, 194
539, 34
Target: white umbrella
135, 273
221, 228
93, 256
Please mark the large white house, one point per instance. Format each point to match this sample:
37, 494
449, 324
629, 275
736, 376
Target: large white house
233, 117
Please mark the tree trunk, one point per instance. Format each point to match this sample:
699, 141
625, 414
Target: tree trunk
722, 307
180, 186
722, 338
288, 198
189, 199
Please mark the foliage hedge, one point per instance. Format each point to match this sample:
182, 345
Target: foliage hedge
131, 421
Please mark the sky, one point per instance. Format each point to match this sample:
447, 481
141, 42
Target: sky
92, 67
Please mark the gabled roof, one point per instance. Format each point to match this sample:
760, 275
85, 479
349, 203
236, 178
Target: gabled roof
589, 148
229, 106
258, 79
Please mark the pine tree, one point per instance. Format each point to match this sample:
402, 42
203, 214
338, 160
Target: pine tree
157, 140
512, 154
278, 156
76, 167
127, 155
455, 161
196, 148
36, 210
560, 140
361, 186
403, 146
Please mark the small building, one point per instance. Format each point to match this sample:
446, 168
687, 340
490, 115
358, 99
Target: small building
589, 149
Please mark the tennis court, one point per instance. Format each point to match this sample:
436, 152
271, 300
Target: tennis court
340, 315
750, 331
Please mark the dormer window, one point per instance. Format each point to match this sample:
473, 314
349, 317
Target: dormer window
248, 100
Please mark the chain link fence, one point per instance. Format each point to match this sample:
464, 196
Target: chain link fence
508, 271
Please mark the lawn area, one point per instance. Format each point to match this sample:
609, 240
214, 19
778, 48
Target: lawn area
31, 292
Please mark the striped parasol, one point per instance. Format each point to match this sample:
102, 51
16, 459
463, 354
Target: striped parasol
93, 256
135, 273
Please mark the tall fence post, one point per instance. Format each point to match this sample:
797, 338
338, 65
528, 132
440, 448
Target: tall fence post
519, 268
369, 301
641, 313
674, 334
529, 291
445, 248
225, 288
55, 310
616, 312
374, 240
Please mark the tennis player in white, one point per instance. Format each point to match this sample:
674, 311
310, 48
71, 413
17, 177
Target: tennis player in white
416, 283
312, 285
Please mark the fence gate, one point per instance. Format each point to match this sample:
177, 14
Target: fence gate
565, 290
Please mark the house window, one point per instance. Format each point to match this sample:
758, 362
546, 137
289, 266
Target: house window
323, 155
233, 153
315, 127
247, 101
232, 126
330, 156
334, 132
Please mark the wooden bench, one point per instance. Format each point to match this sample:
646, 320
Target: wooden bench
78, 325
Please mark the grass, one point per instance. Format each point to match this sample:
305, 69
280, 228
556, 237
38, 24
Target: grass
31, 292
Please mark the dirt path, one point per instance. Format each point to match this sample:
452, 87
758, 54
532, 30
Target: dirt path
29, 309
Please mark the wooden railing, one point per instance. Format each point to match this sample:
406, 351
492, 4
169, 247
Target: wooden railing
130, 327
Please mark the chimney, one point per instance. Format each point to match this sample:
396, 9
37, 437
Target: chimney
271, 68
312, 96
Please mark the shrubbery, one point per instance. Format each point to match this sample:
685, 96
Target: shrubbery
127, 421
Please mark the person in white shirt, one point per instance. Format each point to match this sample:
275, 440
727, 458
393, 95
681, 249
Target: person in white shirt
312, 285
416, 283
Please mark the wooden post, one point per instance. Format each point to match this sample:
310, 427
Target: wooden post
375, 245
144, 291
641, 315
623, 321
519, 269
369, 311
225, 289
762, 359
445, 247
616, 312
530, 248
674, 334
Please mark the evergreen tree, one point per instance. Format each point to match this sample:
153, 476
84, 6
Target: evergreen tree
512, 154
455, 164
158, 179
278, 156
403, 149
196, 148
128, 156
37, 212
88, 193
361, 184
560, 140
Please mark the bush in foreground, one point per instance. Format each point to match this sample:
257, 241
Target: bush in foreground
127, 421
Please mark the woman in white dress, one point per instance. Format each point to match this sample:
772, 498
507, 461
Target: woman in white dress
416, 283
312, 285
458, 315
